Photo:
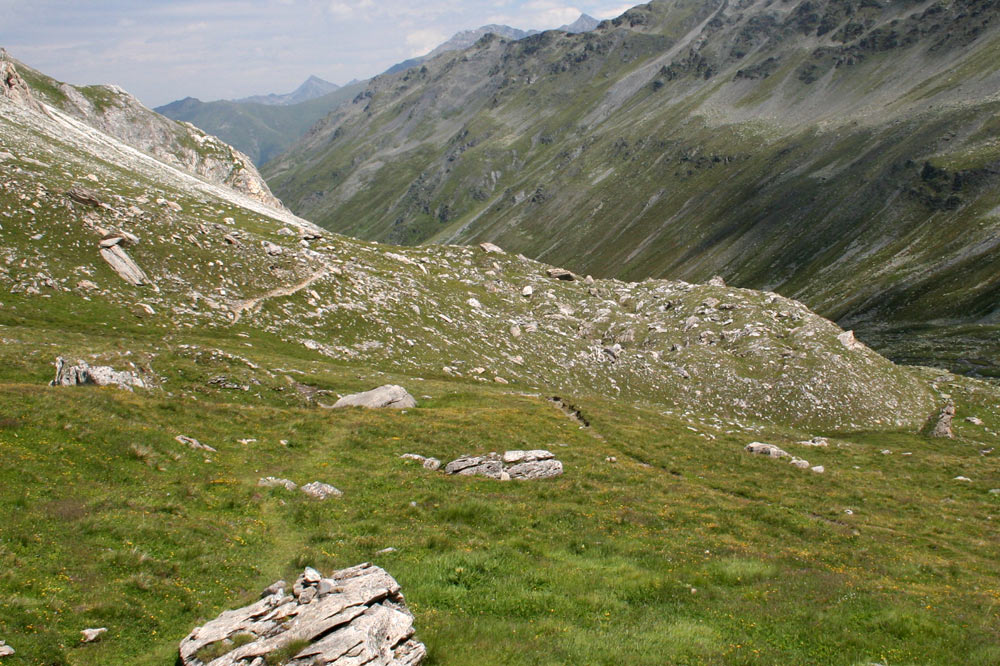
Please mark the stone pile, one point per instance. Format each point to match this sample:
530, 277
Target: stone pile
522, 465
356, 616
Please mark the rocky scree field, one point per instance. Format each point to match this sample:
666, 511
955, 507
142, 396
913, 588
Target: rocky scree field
842, 153
662, 541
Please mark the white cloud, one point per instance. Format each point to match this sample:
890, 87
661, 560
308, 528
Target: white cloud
420, 42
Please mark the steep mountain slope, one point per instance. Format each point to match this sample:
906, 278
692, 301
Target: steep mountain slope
662, 541
311, 88
844, 153
261, 131
117, 113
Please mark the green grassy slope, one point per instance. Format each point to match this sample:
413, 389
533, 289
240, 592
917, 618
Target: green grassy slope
845, 154
260, 131
684, 549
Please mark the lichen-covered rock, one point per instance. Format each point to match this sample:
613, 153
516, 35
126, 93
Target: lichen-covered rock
100, 375
535, 469
356, 616
942, 428
320, 490
388, 396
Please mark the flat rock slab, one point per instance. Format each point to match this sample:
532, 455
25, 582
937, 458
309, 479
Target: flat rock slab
762, 449
389, 396
356, 616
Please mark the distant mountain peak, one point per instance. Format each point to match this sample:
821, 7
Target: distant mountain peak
311, 88
585, 23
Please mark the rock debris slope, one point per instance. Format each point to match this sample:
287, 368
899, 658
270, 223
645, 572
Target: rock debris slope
219, 259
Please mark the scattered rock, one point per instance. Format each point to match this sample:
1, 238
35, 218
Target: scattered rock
527, 291
943, 426
432, 464
272, 249
762, 449
389, 396
886, 452
561, 274
5, 650
816, 441
474, 303
193, 443
84, 196
82, 374
91, 635
717, 281
801, 464
819, 469
274, 482
86, 285
320, 491
962, 478
490, 248
974, 420
357, 616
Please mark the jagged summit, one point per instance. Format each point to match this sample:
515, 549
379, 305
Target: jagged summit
585, 23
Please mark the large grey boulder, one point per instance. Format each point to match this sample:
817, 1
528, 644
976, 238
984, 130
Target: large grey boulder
388, 396
100, 375
356, 616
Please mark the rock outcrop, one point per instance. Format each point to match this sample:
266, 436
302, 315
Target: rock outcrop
388, 396
522, 465
356, 616
100, 375
124, 265
13, 87
942, 428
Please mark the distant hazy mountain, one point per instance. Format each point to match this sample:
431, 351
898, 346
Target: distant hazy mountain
585, 23
262, 131
312, 88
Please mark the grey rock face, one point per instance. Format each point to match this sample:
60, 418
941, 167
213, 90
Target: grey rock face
13, 87
356, 616
388, 396
82, 374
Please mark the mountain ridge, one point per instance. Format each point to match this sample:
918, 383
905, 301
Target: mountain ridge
682, 139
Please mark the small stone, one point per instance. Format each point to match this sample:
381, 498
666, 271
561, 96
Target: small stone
962, 478
277, 587
285, 231
474, 303
886, 452
432, 464
86, 285
818, 469
274, 482
490, 248
801, 464
611, 459
193, 443
386, 551
5, 650
91, 635
500, 380
515, 331
561, 274
320, 491
527, 291
974, 420
848, 512
762, 449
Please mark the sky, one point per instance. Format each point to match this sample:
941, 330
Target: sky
162, 50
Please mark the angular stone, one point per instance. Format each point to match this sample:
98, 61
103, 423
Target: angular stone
512, 457
277, 587
490, 248
943, 426
122, 264
320, 491
762, 449
389, 396
539, 469
361, 618
91, 635
194, 443
561, 274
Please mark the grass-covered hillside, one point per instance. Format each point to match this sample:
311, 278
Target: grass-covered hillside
663, 541
842, 153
